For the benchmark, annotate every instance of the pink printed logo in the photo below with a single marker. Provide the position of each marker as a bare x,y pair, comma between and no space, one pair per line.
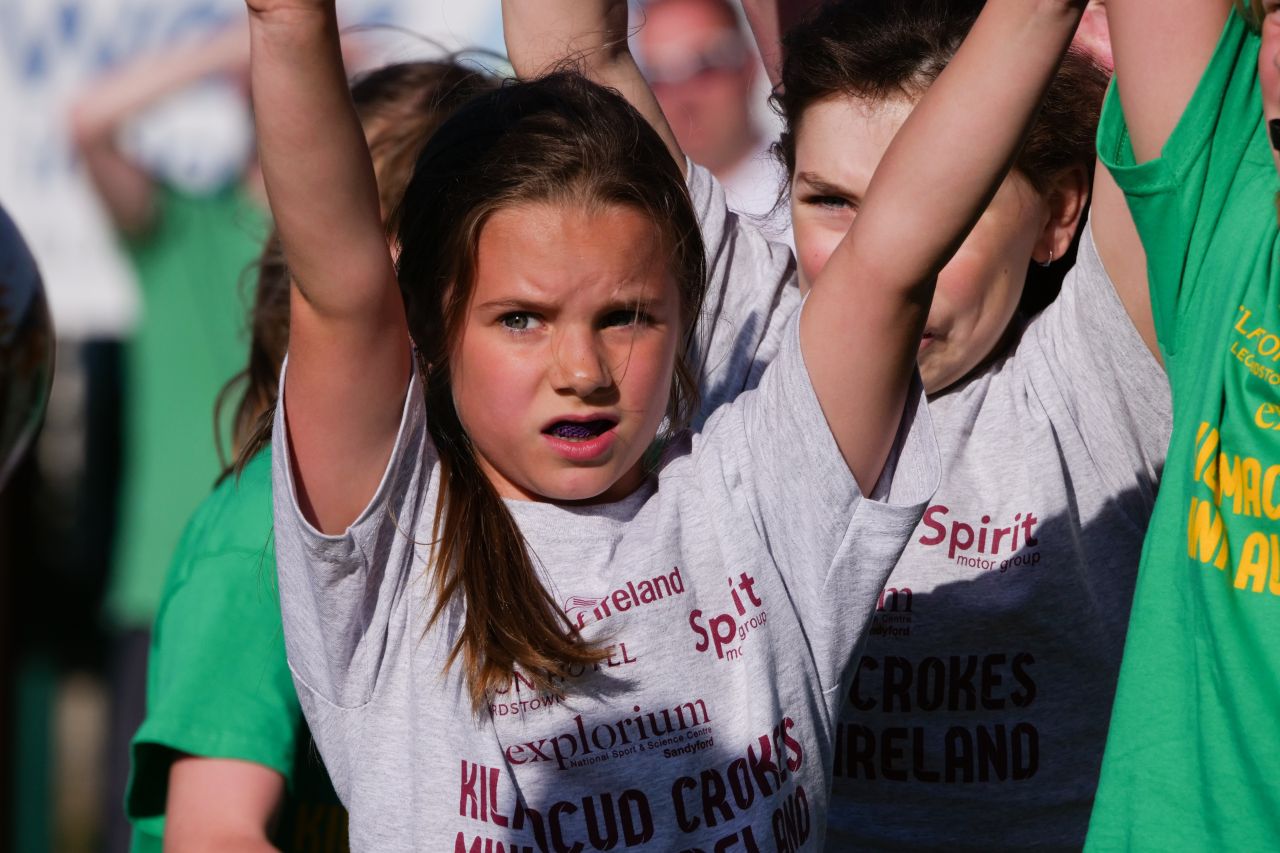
588,742
893,614
582,610
727,631
579,608
985,544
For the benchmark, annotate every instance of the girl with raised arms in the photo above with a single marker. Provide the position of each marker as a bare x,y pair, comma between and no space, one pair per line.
437,508
994,650
1191,133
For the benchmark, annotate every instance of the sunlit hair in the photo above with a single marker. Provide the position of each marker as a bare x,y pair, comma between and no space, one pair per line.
1252,12
558,140
885,50
399,106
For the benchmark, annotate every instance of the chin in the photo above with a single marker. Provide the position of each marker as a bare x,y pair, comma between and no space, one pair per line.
574,488
937,379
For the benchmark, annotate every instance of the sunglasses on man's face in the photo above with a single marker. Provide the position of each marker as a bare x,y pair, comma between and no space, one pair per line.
726,54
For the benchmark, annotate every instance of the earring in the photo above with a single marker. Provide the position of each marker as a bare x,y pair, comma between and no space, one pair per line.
1048,262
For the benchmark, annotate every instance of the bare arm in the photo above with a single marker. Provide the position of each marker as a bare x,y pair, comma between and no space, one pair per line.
542,34
1114,234
860,328
770,20
220,804
99,112
1161,49
348,341
1122,254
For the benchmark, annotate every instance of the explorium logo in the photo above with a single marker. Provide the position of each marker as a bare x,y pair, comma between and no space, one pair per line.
582,745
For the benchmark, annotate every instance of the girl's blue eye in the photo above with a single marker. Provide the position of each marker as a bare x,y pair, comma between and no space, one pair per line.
830,202
625,318
518,321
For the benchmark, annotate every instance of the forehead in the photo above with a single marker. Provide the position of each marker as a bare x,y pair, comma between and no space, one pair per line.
560,253
675,25
843,138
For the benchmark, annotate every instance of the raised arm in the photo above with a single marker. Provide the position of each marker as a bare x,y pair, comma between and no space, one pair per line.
99,112
770,20
860,328
1161,49
1122,254
1114,234
348,342
542,34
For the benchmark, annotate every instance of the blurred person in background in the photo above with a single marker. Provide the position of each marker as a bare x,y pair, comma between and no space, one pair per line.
697,57
190,253
224,757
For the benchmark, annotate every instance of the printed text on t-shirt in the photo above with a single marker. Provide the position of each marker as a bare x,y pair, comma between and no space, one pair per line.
724,633
723,796
584,610
886,688
984,544
1248,488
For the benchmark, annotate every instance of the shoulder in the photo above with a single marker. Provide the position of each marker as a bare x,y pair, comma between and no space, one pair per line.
236,515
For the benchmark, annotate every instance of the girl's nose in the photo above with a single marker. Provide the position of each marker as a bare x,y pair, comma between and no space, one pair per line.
579,365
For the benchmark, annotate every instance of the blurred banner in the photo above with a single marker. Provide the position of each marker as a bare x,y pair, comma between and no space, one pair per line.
50,48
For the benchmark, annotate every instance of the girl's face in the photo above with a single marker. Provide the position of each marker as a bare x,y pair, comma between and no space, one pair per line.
839,143
563,369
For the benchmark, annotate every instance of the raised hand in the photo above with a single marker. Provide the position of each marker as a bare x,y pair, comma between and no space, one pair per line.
348,342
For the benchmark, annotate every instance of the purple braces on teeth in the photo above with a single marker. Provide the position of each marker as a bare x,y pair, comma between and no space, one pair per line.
568,430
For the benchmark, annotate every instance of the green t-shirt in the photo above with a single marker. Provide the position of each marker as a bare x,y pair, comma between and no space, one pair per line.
217,681
195,270
1193,754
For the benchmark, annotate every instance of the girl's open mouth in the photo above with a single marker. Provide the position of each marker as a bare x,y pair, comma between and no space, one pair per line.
579,430
581,440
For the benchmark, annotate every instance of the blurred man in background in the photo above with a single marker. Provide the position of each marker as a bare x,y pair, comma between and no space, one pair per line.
696,55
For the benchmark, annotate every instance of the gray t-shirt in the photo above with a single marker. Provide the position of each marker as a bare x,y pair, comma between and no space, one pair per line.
751,296
981,701
734,586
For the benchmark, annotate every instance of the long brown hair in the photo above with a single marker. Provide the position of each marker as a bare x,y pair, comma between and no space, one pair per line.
881,50
562,140
399,106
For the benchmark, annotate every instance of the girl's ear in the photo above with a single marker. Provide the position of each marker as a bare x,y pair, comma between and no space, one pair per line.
1068,196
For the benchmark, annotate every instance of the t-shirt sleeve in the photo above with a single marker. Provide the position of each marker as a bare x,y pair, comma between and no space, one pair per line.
751,295
833,546
1087,357
218,685
340,594
1177,198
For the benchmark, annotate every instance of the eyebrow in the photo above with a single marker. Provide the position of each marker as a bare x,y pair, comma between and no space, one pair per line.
512,303
643,303
822,186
